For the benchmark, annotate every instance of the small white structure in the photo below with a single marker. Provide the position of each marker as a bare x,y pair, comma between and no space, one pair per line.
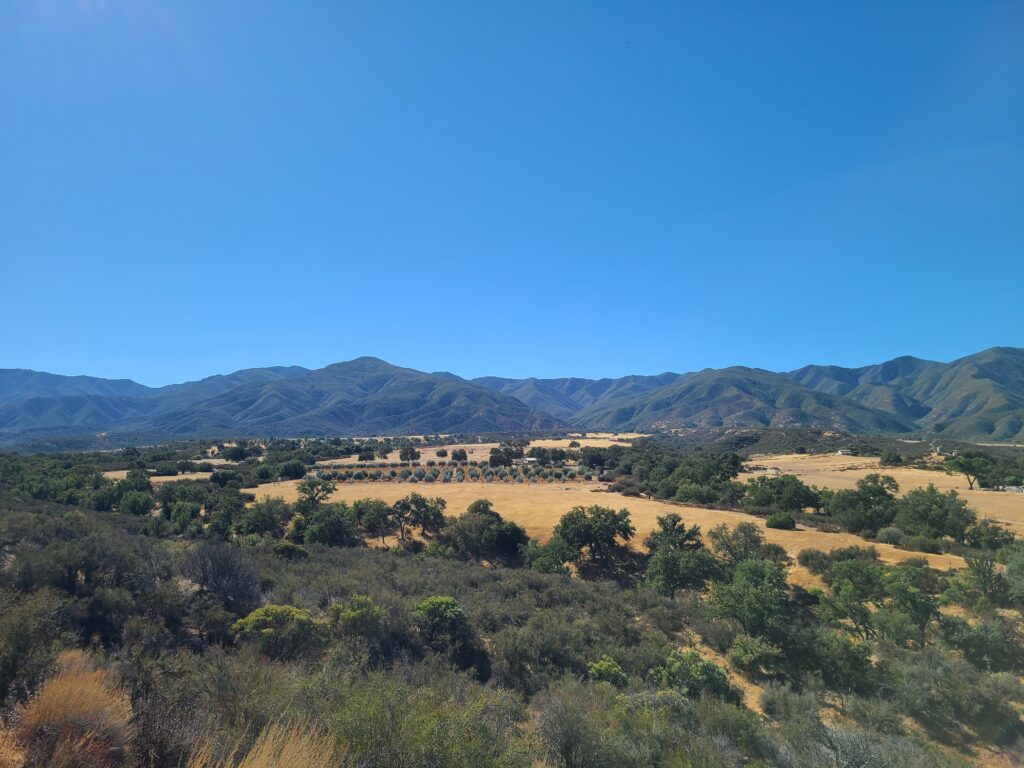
844,452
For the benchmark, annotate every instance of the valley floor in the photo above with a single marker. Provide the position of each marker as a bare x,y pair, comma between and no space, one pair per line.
539,506
837,472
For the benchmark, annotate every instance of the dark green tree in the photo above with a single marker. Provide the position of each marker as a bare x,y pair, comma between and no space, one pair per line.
594,532
973,465
786,493
929,512
755,598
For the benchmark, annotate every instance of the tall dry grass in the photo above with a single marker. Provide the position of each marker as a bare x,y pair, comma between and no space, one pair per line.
11,753
277,746
79,719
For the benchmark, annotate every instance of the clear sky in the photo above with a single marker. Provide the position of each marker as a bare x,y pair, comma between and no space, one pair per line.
519,188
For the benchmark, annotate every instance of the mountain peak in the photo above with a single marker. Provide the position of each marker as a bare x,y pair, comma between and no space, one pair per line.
980,396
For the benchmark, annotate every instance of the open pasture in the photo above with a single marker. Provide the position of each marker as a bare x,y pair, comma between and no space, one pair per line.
837,472
474,452
538,506
121,474
481,451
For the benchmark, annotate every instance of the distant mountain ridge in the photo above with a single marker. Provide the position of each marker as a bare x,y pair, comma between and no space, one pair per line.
571,399
978,397
360,397
738,397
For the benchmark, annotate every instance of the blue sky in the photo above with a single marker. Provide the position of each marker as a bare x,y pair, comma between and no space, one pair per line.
521,188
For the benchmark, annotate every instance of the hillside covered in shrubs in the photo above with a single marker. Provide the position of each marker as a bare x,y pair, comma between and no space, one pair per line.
186,624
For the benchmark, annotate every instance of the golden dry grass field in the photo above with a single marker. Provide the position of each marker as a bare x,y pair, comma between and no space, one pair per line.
481,451
831,471
121,474
538,507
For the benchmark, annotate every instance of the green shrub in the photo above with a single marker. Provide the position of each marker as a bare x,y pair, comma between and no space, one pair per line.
290,551
814,560
283,631
753,655
607,670
136,503
780,520
441,618
692,675
891,535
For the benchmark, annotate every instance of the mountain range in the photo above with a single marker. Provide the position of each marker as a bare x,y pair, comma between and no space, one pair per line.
979,397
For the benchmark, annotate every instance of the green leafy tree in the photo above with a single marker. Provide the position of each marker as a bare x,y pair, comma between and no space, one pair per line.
983,577
551,556
786,493
972,465
594,532
136,503
313,491
265,516
333,525
292,470
184,513
734,545
236,452
755,598
481,533
990,535
781,521
868,508
906,588
408,453
671,569
417,510
374,516
136,480
672,532
854,584
929,512
1015,574
403,513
